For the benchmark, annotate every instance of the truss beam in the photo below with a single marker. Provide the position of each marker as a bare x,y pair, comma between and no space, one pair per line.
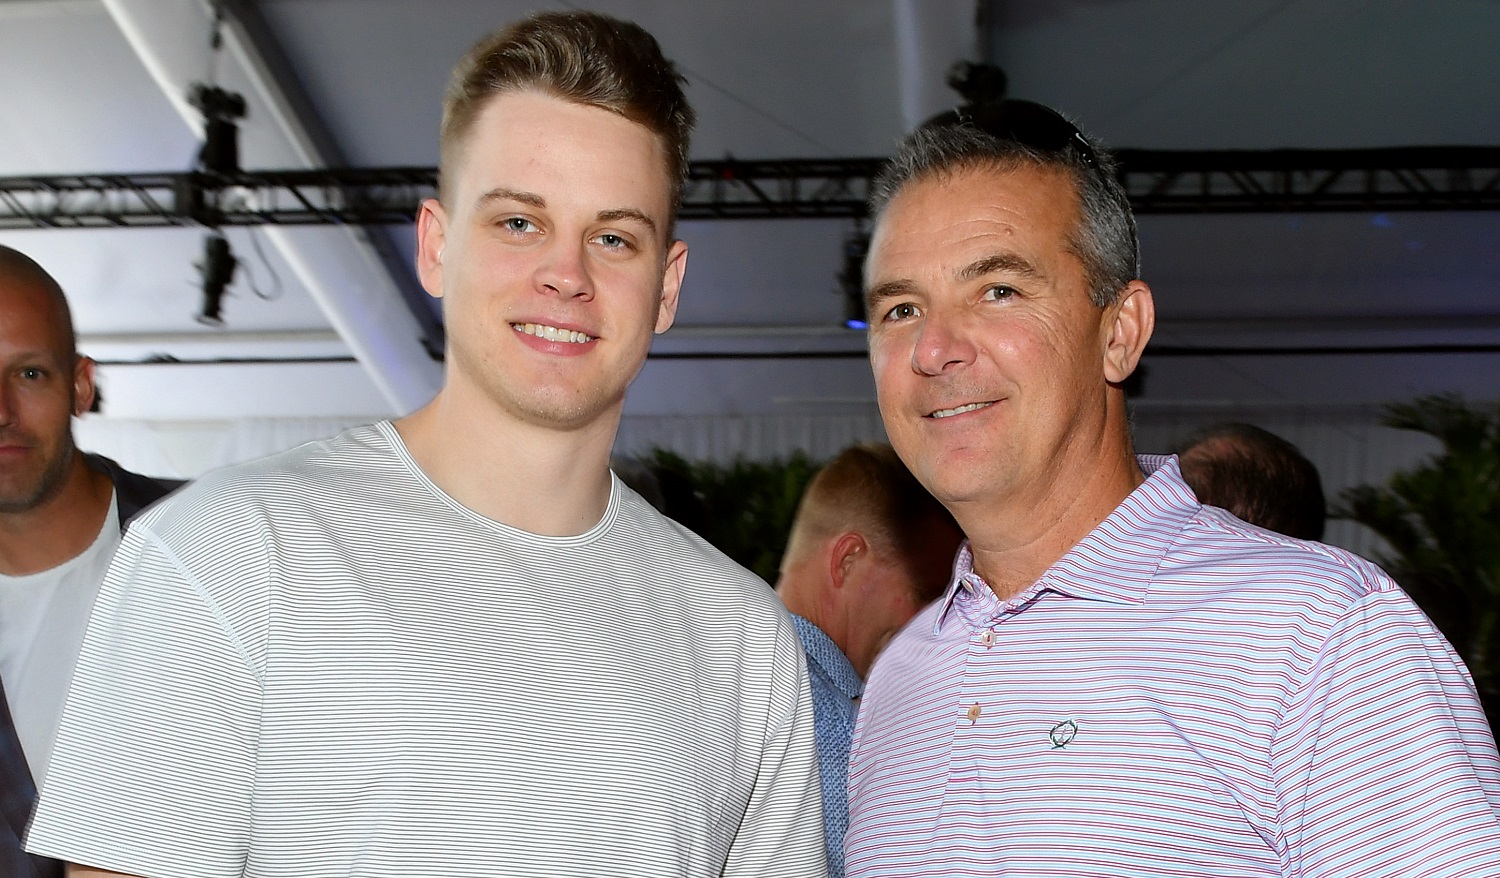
1279,181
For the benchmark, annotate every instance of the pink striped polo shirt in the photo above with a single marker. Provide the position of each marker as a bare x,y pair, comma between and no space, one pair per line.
1181,694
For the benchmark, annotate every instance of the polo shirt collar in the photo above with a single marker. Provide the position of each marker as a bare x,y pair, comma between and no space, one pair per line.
1114,563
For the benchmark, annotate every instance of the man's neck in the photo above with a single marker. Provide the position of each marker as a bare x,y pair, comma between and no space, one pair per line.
797,595
61,527
1015,540
804,592
537,479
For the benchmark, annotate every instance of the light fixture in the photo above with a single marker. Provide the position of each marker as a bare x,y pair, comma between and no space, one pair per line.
221,145
852,277
217,273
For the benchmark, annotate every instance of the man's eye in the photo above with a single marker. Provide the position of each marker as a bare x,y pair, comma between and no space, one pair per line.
33,374
519,224
613,241
901,311
998,292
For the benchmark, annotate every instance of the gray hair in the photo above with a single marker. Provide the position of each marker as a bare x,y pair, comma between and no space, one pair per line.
1105,239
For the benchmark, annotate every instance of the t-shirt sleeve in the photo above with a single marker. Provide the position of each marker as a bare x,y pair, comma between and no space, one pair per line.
1385,765
154,766
782,830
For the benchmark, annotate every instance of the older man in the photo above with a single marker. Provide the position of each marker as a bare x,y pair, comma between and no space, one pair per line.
868,548
454,644
1119,681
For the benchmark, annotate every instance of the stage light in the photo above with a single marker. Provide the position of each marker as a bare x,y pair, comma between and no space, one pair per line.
221,145
217,273
852,277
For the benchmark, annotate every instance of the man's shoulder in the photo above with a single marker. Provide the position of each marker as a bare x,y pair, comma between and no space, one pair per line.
658,537
326,472
1217,549
133,491
695,571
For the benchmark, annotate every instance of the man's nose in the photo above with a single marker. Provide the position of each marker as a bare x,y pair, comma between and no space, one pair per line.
564,270
943,343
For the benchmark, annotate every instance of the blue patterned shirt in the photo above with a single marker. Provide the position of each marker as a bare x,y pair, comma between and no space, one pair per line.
835,692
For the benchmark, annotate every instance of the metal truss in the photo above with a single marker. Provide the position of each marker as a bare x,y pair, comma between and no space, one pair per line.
249,198
733,189
1312,181
1157,181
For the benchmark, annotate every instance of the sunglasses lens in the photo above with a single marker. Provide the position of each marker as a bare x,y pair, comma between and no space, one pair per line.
1029,124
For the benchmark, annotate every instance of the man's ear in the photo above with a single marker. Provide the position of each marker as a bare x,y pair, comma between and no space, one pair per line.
847,549
1131,320
83,385
671,285
432,232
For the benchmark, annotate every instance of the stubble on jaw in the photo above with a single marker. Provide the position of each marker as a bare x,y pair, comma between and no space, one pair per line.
45,486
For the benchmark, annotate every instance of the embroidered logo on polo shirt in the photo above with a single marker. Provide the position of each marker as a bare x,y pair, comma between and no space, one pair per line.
1063,733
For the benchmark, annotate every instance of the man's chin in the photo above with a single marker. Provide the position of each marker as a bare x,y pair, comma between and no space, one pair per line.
15,502
20,495
568,413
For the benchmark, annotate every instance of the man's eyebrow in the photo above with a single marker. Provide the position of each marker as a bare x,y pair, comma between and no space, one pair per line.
503,194
888,290
604,216
626,213
998,262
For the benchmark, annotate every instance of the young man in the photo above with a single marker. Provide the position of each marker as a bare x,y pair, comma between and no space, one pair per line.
61,512
1119,680
455,645
868,548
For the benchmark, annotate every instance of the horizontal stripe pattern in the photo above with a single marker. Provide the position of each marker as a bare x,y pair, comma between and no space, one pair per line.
1181,694
322,665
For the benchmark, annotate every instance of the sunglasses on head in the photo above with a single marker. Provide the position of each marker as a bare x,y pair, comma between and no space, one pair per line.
1029,124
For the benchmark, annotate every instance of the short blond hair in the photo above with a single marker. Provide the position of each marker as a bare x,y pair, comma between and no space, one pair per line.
867,489
583,57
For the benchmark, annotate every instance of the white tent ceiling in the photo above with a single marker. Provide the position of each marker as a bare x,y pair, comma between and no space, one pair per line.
95,86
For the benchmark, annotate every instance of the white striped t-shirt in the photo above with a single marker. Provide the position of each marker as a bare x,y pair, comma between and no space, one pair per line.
1181,695
322,665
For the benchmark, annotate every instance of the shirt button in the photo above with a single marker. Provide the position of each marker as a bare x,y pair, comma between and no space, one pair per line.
987,638
974,711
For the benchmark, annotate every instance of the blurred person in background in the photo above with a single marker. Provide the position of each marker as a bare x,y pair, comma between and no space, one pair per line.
869,547
1257,475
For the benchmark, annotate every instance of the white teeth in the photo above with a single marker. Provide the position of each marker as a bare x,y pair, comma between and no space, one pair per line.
948,413
552,333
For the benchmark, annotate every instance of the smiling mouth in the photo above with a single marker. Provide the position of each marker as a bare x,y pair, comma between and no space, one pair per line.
552,333
948,413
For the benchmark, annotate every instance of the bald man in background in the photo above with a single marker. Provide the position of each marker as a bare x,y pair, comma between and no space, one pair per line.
1256,475
61,514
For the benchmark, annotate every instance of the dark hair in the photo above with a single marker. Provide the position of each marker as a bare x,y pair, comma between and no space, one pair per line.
867,488
1105,238
1258,476
584,57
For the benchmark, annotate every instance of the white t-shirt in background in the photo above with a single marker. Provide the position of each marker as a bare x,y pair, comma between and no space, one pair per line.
42,620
